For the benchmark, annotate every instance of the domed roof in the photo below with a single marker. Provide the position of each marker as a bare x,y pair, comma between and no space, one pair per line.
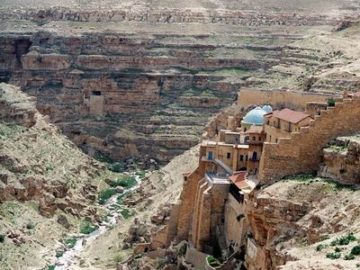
267,108
254,117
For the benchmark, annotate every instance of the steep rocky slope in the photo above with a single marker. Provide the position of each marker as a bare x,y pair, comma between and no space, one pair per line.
47,186
296,221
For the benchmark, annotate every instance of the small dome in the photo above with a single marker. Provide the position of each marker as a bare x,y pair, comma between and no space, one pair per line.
267,108
254,117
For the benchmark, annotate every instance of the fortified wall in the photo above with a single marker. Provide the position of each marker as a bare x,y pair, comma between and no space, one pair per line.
303,151
296,100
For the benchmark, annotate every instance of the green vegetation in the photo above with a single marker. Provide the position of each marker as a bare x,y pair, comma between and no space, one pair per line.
118,258
116,167
51,267
349,257
127,213
309,178
344,240
355,250
105,194
2,238
331,102
320,247
30,225
87,227
70,242
213,262
333,255
120,198
59,253
124,181
141,173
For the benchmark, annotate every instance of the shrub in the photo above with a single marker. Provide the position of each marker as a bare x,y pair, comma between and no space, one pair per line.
70,242
116,167
355,250
331,102
59,253
212,261
344,240
87,227
320,247
118,258
126,213
333,255
30,225
51,267
2,238
337,249
125,181
349,257
105,194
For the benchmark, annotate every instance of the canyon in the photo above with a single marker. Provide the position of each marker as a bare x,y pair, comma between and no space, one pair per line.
138,84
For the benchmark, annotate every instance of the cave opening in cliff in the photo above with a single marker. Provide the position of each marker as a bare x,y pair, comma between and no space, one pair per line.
22,46
96,93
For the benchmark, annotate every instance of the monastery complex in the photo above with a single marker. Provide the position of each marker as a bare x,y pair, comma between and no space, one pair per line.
268,142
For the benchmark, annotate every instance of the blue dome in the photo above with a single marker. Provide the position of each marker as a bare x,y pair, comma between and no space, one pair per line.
267,108
254,117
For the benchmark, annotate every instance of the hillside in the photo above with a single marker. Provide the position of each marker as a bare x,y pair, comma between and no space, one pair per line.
47,188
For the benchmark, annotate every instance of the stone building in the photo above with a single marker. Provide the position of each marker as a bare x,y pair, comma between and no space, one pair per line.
280,124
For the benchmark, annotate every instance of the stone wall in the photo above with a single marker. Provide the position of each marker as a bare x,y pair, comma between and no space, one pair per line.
235,223
187,203
303,151
296,100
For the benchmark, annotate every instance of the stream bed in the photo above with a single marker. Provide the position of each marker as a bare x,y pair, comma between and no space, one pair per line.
71,255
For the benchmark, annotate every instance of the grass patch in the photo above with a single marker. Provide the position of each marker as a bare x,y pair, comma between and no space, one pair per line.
105,194
320,247
127,213
349,257
87,227
333,255
213,262
125,181
51,267
120,198
140,173
116,167
59,254
309,179
118,258
344,240
103,158
70,242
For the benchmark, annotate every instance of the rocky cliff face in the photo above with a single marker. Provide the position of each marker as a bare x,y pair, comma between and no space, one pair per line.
290,219
46,184
342,160
143,82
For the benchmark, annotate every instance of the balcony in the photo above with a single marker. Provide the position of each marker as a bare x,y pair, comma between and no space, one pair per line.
217,178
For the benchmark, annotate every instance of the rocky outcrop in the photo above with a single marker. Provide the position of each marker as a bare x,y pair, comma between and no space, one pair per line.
295,215
342,161
32,156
